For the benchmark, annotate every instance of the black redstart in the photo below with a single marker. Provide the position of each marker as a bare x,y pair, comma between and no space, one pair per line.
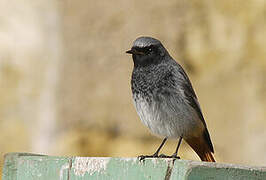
165,100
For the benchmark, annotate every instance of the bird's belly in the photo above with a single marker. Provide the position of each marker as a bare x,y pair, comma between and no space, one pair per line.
162,121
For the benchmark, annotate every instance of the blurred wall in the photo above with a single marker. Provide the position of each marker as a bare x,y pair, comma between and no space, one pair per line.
65,77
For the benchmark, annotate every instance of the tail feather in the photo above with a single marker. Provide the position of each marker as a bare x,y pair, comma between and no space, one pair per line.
208,157
202,148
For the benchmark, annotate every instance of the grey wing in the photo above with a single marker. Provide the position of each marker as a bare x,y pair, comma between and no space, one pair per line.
184,85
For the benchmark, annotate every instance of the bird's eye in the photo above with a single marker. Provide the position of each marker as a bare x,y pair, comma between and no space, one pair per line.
149,50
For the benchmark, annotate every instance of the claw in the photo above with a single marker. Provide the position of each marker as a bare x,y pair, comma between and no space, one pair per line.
143,157
155,155
163,156
175,156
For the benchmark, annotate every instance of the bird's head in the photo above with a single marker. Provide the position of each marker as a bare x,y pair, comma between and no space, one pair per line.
146,51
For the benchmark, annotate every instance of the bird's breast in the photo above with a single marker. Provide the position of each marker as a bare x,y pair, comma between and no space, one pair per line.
164,119
161,106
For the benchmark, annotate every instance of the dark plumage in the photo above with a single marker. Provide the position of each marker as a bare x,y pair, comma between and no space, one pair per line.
165,100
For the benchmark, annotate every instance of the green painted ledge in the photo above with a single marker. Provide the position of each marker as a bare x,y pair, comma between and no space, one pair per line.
23,166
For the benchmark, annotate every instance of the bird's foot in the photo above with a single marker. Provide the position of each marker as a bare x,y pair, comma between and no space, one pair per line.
174,156
142,157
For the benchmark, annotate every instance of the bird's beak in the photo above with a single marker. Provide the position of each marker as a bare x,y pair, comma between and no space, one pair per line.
134,51
130,51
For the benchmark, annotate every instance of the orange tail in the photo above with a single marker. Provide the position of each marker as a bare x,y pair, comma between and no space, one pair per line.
202,148
208,157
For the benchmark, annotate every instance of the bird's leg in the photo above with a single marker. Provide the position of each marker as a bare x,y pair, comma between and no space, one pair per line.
178,145
175,154
155,155
160,147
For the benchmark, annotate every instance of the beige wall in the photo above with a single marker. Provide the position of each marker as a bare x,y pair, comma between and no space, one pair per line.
65,77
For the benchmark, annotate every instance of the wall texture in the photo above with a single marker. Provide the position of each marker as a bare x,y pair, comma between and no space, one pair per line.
65,77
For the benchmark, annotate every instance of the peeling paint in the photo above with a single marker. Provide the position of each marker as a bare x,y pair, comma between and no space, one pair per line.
154,160
169,160
64,167
89,165
134,160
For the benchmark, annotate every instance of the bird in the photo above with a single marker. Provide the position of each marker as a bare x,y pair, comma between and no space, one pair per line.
165,100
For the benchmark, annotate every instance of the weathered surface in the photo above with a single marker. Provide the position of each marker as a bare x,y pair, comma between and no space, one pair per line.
65,77
21,166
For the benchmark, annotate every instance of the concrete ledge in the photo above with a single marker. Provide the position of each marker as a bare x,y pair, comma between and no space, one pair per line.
23,166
